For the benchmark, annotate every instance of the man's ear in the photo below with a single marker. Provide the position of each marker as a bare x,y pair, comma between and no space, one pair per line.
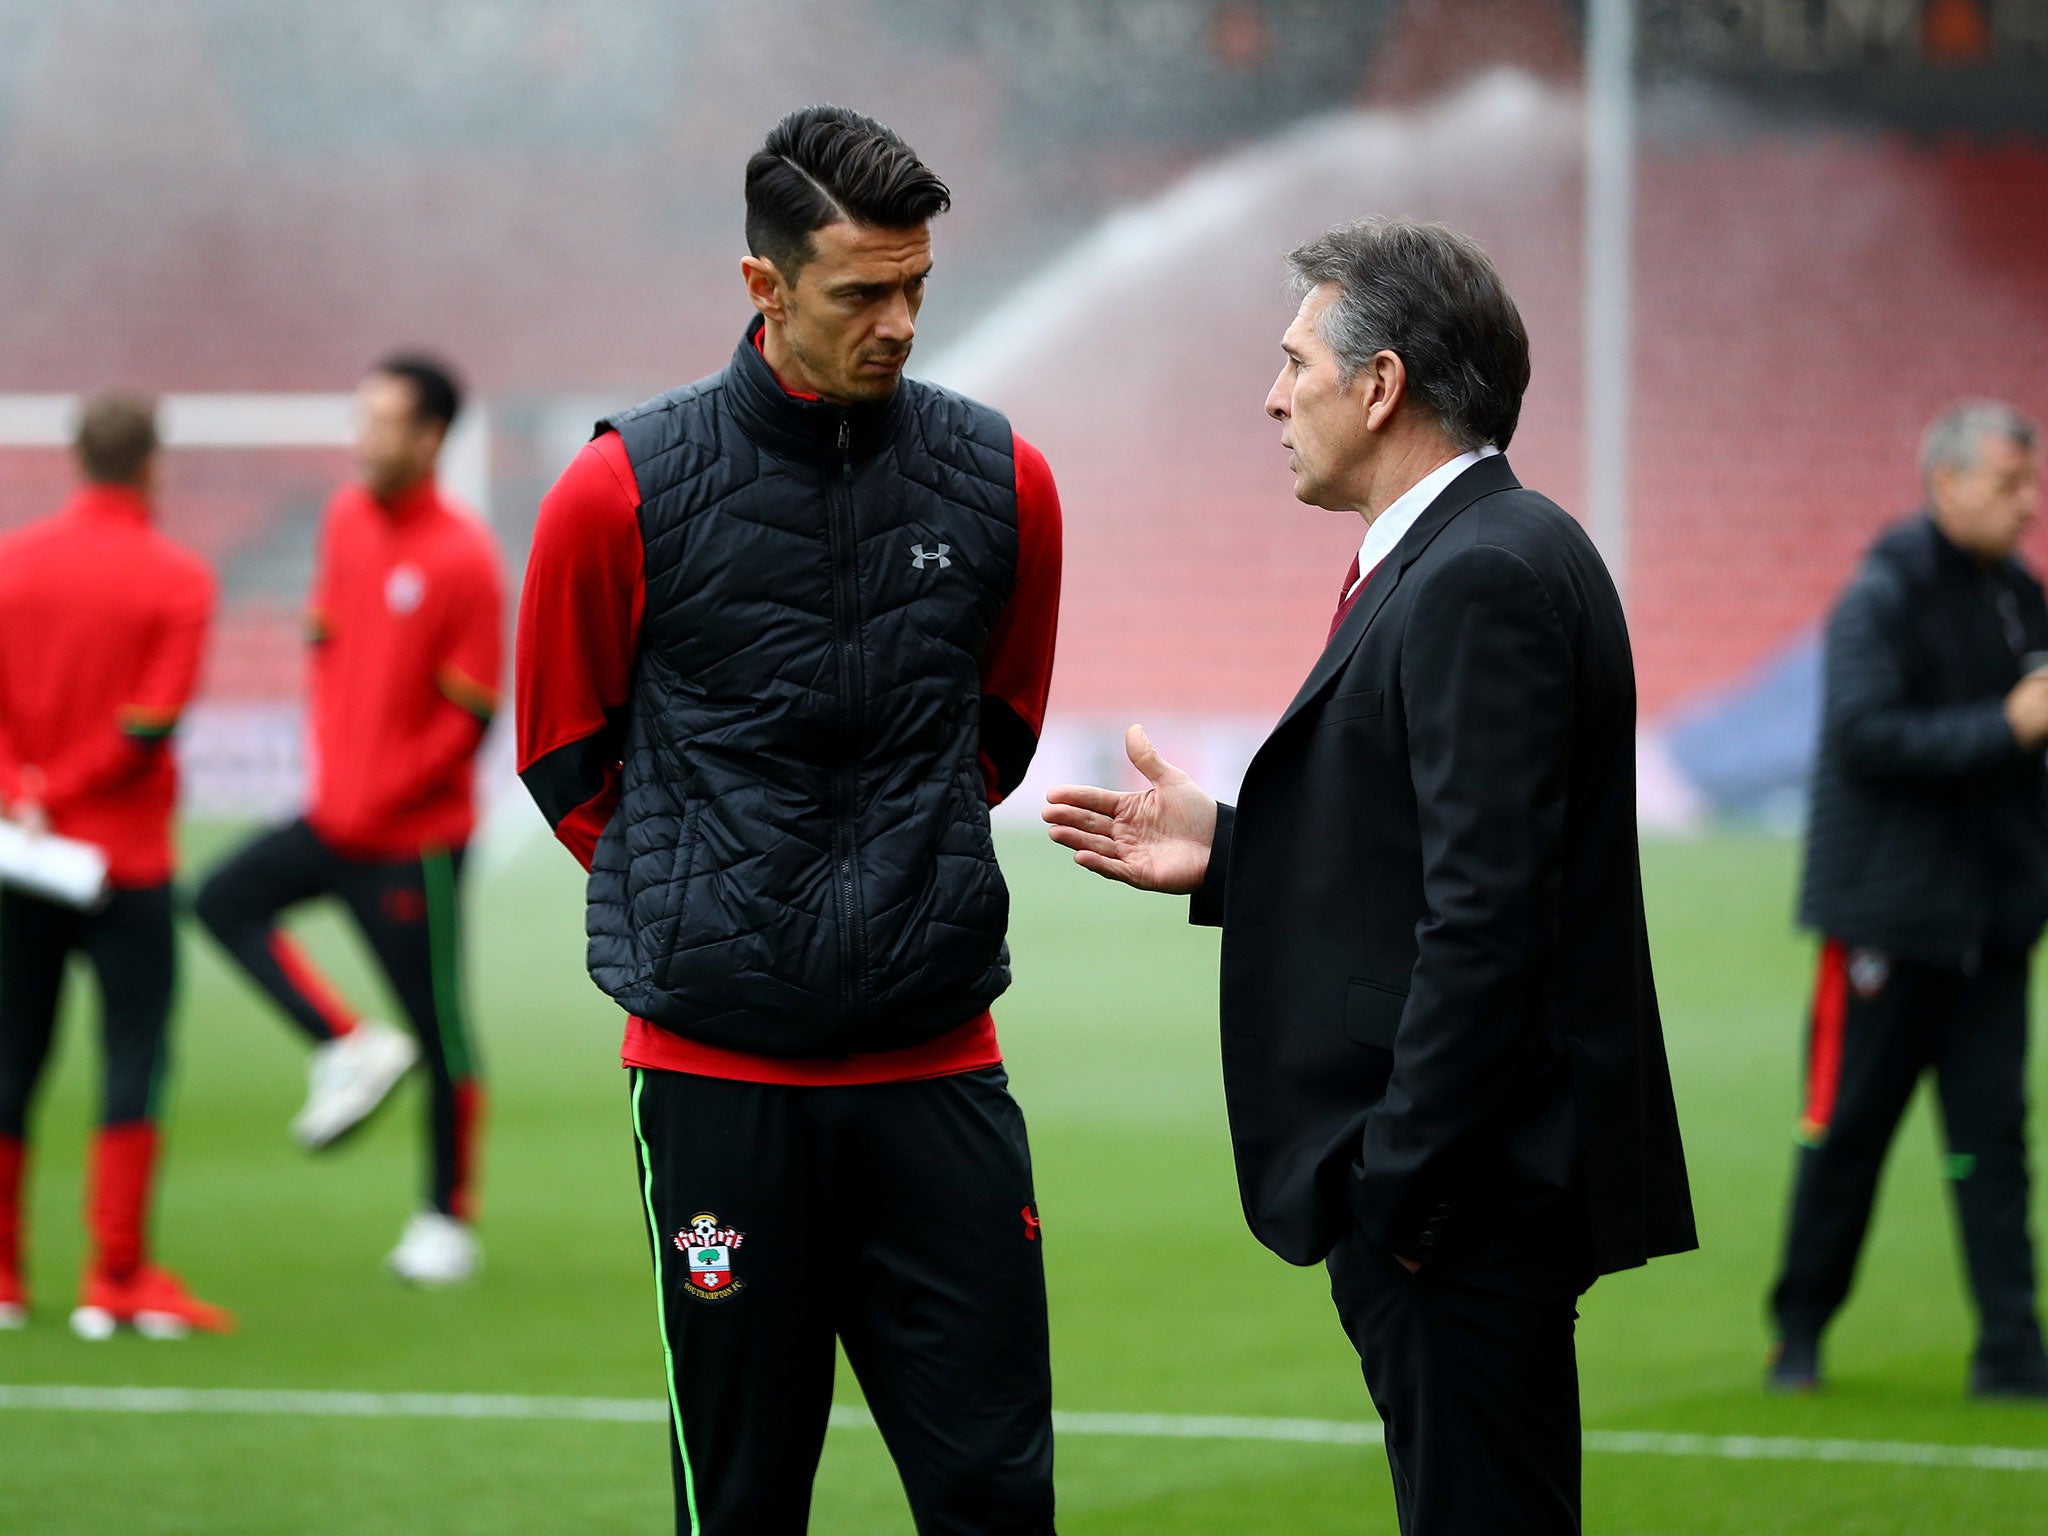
765,285
1383,383
1941,484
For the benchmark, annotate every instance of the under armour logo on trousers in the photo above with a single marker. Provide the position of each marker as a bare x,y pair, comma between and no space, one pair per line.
919,555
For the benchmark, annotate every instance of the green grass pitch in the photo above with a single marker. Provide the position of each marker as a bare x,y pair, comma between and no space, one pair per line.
1161,1302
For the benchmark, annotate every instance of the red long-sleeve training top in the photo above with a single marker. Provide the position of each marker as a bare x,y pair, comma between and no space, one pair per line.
406,620
579,635
102,624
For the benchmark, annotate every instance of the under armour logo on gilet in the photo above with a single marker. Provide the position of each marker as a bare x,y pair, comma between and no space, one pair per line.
919,555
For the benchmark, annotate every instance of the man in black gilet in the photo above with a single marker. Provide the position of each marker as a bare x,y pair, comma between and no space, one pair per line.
786,636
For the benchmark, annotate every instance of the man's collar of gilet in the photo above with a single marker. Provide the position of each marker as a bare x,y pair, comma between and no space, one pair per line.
1920,543
820,432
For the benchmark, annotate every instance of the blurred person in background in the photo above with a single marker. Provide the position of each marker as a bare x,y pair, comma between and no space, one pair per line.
1927,879
787,634
405,628
102,624
1441,1044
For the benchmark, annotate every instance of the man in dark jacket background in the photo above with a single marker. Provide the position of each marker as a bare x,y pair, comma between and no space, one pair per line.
787,634
1927,879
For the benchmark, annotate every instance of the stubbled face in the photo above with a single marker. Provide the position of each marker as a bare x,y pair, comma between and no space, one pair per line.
1322,418
847,322
1987,507
395,450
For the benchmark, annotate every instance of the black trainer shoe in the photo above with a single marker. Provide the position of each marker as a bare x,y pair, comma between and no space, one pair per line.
1795,1367
2026,1377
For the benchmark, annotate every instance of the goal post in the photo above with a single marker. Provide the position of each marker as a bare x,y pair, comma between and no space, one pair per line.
254,421
242,748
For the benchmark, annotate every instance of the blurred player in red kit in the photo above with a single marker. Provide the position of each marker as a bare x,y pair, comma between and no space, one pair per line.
102,622
406,650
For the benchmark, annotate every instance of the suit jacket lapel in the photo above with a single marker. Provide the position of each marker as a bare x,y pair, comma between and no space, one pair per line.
1490,474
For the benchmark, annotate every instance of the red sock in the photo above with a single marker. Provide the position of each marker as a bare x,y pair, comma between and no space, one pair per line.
123,1165
469,1124
13,1173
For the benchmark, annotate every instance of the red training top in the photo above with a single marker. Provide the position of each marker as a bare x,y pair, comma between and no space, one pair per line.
102,623
579,633
405,620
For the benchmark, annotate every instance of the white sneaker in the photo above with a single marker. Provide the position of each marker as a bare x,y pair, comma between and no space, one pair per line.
436,1250
13,1315
93,1324
349,1077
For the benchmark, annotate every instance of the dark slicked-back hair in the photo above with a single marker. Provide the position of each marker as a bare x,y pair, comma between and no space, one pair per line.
434,389
116,437
824,164
1430,296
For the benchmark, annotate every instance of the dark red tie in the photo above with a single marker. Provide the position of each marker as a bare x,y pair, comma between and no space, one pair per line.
1346,598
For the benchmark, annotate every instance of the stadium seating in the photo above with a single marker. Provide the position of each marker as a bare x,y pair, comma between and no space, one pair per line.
1805,305
1806,301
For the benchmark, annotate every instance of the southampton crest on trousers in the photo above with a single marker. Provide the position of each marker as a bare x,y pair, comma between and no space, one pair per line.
709,1248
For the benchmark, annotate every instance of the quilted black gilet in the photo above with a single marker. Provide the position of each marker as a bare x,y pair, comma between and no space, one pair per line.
801,864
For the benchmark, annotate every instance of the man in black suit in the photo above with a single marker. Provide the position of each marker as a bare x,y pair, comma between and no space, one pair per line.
1441,1048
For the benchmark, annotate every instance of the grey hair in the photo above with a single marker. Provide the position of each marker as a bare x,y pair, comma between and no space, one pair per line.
1955,437
1431,297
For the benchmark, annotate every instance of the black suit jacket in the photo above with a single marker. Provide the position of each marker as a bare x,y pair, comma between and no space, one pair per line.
1438,1016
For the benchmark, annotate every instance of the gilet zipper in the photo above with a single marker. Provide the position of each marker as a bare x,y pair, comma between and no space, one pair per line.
843,544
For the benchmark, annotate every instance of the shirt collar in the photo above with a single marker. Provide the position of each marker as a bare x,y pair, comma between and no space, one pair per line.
1386,530
410,504
115,501
761,346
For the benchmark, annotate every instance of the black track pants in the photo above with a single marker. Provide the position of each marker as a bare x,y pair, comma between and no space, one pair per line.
1878,1026
897,1217
409,914
131,947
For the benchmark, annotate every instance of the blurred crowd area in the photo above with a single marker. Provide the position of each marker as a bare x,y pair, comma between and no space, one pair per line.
1840,210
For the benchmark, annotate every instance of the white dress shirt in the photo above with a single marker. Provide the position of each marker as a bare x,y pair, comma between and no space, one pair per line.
1386,529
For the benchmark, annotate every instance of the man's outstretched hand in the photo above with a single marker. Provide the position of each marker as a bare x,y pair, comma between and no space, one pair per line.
1157,839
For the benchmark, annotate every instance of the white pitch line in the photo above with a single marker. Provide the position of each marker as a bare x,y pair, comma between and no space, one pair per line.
345,1405
1889,1453
1170,1426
